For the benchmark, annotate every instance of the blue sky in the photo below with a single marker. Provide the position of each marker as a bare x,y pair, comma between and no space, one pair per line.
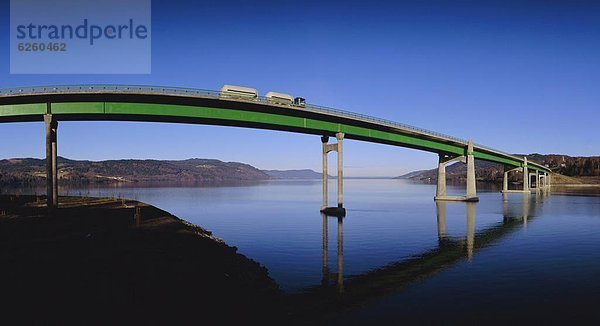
521,76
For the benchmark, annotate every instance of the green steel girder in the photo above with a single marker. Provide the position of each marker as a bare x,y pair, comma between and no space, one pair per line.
223,116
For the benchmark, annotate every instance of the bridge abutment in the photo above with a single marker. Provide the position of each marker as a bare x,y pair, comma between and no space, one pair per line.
51,162
337,147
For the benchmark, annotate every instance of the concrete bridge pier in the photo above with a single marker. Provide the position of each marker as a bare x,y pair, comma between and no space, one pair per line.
532,185
546,182
525,176
505,180
526,188
337,147
537,178
51,162
444,160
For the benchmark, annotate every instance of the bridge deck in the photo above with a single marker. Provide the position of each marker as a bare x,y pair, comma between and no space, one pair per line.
181,105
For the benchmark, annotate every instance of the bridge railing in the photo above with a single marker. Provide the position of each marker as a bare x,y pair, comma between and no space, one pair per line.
202,93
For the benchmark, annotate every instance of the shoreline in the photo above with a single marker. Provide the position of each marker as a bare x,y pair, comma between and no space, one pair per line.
107,258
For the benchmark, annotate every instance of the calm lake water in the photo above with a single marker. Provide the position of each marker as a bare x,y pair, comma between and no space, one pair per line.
406,258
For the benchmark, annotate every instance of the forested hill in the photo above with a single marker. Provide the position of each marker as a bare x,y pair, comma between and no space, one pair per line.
32,171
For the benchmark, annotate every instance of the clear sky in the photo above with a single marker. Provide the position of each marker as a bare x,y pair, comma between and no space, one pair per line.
519,76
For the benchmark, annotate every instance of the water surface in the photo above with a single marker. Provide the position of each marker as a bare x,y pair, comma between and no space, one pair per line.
401,256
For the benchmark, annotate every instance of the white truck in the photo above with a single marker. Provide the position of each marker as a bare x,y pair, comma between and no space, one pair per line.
239,92
279,98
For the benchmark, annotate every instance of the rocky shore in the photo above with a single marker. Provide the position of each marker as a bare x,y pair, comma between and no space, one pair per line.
107,261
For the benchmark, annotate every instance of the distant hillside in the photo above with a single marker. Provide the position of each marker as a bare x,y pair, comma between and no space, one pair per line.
579,169
570,166
32,171
293,174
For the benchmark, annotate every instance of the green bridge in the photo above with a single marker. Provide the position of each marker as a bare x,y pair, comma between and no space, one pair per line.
179,105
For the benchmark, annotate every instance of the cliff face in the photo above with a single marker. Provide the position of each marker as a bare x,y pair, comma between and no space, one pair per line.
32,171
587,168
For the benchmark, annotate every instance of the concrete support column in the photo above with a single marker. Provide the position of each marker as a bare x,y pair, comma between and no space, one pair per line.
340,163
505,189
337,147
440,193
549,181
525,176
324,141
471,188
543,181
441,180
537,179
51,162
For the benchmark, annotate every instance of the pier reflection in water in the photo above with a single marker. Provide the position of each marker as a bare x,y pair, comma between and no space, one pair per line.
450,250
441,224
340,254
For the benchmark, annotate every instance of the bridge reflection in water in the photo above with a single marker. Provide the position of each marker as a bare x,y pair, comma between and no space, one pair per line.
441,225
335,291
339,276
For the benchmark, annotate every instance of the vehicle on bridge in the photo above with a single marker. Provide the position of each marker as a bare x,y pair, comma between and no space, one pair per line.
239,92
300,101
279,98
247,93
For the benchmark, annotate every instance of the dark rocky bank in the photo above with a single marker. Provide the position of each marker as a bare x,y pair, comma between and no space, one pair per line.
97,261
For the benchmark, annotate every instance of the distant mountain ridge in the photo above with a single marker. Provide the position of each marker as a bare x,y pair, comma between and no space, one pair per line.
294,174
32,171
